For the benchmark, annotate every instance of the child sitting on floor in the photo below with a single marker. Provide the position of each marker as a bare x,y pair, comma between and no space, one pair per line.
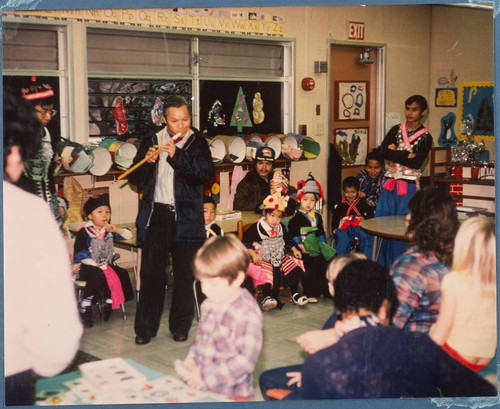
106,284
307,232
266,242
229,338
346,219
371,178
466,326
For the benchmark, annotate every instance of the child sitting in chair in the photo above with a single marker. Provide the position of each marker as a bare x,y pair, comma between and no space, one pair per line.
229,338
209,207
212,230
266,242
371,178
346,219
106,284
307,231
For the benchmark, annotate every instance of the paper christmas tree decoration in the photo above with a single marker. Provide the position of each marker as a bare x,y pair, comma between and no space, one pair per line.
241,117
484,121
216,115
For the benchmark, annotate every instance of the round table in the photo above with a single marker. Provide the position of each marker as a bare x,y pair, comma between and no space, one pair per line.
388,227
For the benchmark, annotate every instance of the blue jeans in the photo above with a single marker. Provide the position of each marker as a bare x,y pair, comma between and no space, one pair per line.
345,237
276,378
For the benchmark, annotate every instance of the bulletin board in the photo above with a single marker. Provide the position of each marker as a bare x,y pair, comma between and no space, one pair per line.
476,99
261,113
138,98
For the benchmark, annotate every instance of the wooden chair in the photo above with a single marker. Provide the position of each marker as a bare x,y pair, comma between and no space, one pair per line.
240,228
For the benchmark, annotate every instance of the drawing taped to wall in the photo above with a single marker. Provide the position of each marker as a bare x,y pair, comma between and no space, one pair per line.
352,145
352,101
262,101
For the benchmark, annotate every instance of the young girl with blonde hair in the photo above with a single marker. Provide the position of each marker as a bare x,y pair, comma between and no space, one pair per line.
466,326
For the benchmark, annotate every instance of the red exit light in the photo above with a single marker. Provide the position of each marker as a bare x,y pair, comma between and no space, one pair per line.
356,30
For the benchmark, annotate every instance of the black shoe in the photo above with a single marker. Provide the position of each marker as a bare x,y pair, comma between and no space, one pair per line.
86,318
142,340
179,337
106,312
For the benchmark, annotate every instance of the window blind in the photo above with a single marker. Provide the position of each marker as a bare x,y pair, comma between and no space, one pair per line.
235,58
137,53
30,49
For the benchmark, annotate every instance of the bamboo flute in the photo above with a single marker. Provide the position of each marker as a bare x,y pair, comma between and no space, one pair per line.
138,164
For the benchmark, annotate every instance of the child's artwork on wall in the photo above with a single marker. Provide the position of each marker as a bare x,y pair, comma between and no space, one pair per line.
240,107
258,109
446,97
352,101
476,99
352,145
216,116
124,109
241,117
447,137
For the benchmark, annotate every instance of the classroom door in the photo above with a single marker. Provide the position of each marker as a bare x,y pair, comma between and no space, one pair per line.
353,111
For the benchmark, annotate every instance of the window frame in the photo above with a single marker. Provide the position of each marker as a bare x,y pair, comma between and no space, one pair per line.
64,62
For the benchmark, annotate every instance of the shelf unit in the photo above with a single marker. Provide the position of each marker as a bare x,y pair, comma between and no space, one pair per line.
221,167
440,177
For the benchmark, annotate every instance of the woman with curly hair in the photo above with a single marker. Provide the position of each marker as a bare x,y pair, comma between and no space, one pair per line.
431,225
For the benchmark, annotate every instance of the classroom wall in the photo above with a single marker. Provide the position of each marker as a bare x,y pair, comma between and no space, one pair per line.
420,40
408,60
462,40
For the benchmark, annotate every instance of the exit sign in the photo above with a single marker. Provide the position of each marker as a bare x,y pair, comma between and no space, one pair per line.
356,30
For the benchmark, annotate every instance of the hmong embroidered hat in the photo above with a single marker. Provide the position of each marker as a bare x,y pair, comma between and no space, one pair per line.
265,153
37,90
95,202
310,185
280,180
276,202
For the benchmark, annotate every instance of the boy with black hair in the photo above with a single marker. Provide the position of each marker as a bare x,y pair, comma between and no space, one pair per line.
107,284
406,147
347,216
212,230
371,177
307,231
209,208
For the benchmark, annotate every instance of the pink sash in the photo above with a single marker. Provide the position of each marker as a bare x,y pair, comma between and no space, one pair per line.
402,186
117,297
